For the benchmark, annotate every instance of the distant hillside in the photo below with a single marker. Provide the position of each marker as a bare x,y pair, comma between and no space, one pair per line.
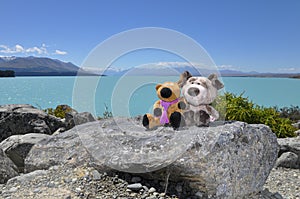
37,66
7,73
158,71
154,70
296,76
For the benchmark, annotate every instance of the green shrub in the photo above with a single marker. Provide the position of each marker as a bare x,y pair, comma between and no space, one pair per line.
60,111
233,107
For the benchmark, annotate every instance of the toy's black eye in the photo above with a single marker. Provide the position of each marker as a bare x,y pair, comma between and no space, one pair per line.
198,83
192,82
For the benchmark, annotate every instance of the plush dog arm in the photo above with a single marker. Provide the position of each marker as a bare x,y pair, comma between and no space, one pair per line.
157,109
212,112
182,104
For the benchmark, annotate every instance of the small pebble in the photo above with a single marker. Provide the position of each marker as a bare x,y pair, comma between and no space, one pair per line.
96,175
133,194
74,180
199,194
37,190
156,194
277,196
51,184
67,180
144,196
135,186
78,189
146,188
152,190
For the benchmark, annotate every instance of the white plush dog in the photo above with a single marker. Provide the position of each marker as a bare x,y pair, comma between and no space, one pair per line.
199,93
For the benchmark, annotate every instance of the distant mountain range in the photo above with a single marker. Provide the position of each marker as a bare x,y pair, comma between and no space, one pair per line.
160,71
38,66
43,66
175,70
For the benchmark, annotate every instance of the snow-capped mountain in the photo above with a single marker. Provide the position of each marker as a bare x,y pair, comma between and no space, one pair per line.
161,70
7,58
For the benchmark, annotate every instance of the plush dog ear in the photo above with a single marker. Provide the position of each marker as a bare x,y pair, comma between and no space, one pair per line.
216,83
183,78
158,86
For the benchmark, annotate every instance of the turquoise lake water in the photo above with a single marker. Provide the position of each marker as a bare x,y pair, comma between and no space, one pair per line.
131,95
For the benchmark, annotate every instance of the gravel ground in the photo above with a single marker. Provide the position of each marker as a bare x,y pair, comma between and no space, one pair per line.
61,182
285,181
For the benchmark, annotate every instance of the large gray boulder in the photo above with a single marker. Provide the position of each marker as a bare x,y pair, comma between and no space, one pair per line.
222,161
74,118
7,168
17,147
288,160
64,148
289,153
19,119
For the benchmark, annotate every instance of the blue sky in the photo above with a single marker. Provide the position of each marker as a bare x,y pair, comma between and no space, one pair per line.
244,35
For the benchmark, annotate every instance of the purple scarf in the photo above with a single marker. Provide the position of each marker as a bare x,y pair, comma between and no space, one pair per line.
164,117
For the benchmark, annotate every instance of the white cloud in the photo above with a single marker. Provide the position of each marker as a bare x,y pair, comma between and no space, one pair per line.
37,50
173,64
228,67
289,69
6,49
19,49
59,52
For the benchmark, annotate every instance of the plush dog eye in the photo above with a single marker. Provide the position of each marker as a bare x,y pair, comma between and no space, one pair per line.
198,83
192,82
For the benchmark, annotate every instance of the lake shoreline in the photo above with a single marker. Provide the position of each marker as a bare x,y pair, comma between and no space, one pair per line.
260,75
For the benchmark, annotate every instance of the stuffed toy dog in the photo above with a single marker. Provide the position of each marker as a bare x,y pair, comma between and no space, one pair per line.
199,93
168,109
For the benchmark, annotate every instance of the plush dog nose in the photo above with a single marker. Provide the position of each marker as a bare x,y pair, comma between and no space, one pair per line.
193,92
165,92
